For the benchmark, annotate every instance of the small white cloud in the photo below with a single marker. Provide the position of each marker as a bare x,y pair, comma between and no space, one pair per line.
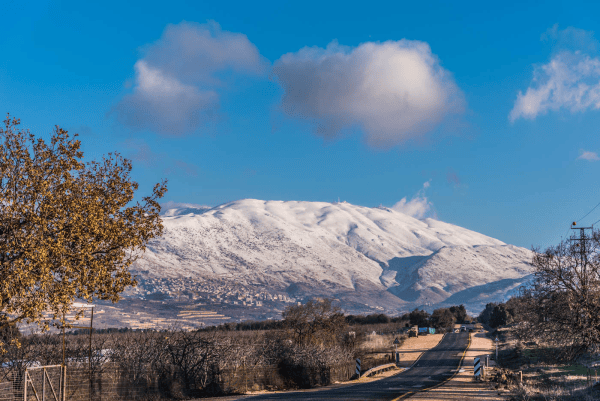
570,38
418,207
394,91
570,80
170,208
173,205
590,156
178,81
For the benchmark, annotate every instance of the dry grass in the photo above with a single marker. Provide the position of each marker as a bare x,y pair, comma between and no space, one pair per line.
567,389
378,343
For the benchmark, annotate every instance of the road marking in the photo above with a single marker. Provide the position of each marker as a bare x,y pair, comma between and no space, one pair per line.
404,396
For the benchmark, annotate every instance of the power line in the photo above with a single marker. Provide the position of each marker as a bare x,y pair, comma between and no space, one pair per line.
587,214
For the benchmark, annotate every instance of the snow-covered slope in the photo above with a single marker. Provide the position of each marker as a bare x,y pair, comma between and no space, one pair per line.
325,248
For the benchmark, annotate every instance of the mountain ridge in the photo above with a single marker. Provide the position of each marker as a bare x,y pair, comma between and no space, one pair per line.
332,249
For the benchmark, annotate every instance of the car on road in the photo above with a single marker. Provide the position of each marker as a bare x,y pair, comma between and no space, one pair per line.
463,328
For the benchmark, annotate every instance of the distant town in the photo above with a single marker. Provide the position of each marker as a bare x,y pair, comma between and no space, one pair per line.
184,303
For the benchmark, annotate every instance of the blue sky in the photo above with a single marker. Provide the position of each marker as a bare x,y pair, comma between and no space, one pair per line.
485,115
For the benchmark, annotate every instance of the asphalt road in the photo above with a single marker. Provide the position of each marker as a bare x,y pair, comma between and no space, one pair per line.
435,366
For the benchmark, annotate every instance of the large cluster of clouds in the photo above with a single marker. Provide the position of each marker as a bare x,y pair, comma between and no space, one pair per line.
177,82
392,91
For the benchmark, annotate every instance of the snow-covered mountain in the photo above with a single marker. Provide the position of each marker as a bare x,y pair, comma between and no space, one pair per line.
363,256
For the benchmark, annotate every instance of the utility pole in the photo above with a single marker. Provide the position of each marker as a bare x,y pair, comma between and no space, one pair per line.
583,240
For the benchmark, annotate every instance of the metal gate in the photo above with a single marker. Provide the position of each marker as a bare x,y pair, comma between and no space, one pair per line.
45,383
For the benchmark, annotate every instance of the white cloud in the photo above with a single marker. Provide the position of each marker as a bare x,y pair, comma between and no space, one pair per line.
170,208
569,81
570,38
590,156
163,104
177,82
418,207
173,205
394,91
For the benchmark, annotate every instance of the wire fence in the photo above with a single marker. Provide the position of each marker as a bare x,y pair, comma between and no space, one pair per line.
107,384
11,387
112,383
47,384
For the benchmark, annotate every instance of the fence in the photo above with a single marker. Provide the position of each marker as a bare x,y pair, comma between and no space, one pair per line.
47,383
111,383
44,383
11,384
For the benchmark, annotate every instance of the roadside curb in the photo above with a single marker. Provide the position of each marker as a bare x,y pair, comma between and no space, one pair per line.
411,393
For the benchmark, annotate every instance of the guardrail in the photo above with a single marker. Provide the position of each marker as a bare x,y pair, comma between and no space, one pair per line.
380,368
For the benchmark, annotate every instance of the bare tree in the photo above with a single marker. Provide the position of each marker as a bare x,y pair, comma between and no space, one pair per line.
565,297
316,322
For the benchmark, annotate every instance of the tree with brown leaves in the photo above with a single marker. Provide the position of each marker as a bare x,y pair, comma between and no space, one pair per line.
68,229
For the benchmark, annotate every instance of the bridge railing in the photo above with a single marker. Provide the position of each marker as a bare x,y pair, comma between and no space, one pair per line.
379,369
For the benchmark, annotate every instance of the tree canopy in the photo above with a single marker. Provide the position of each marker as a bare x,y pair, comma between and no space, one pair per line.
442,318
419,317
315,322
68,229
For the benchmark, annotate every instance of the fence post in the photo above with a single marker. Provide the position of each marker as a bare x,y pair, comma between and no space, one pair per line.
25,384
43,385
64,393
